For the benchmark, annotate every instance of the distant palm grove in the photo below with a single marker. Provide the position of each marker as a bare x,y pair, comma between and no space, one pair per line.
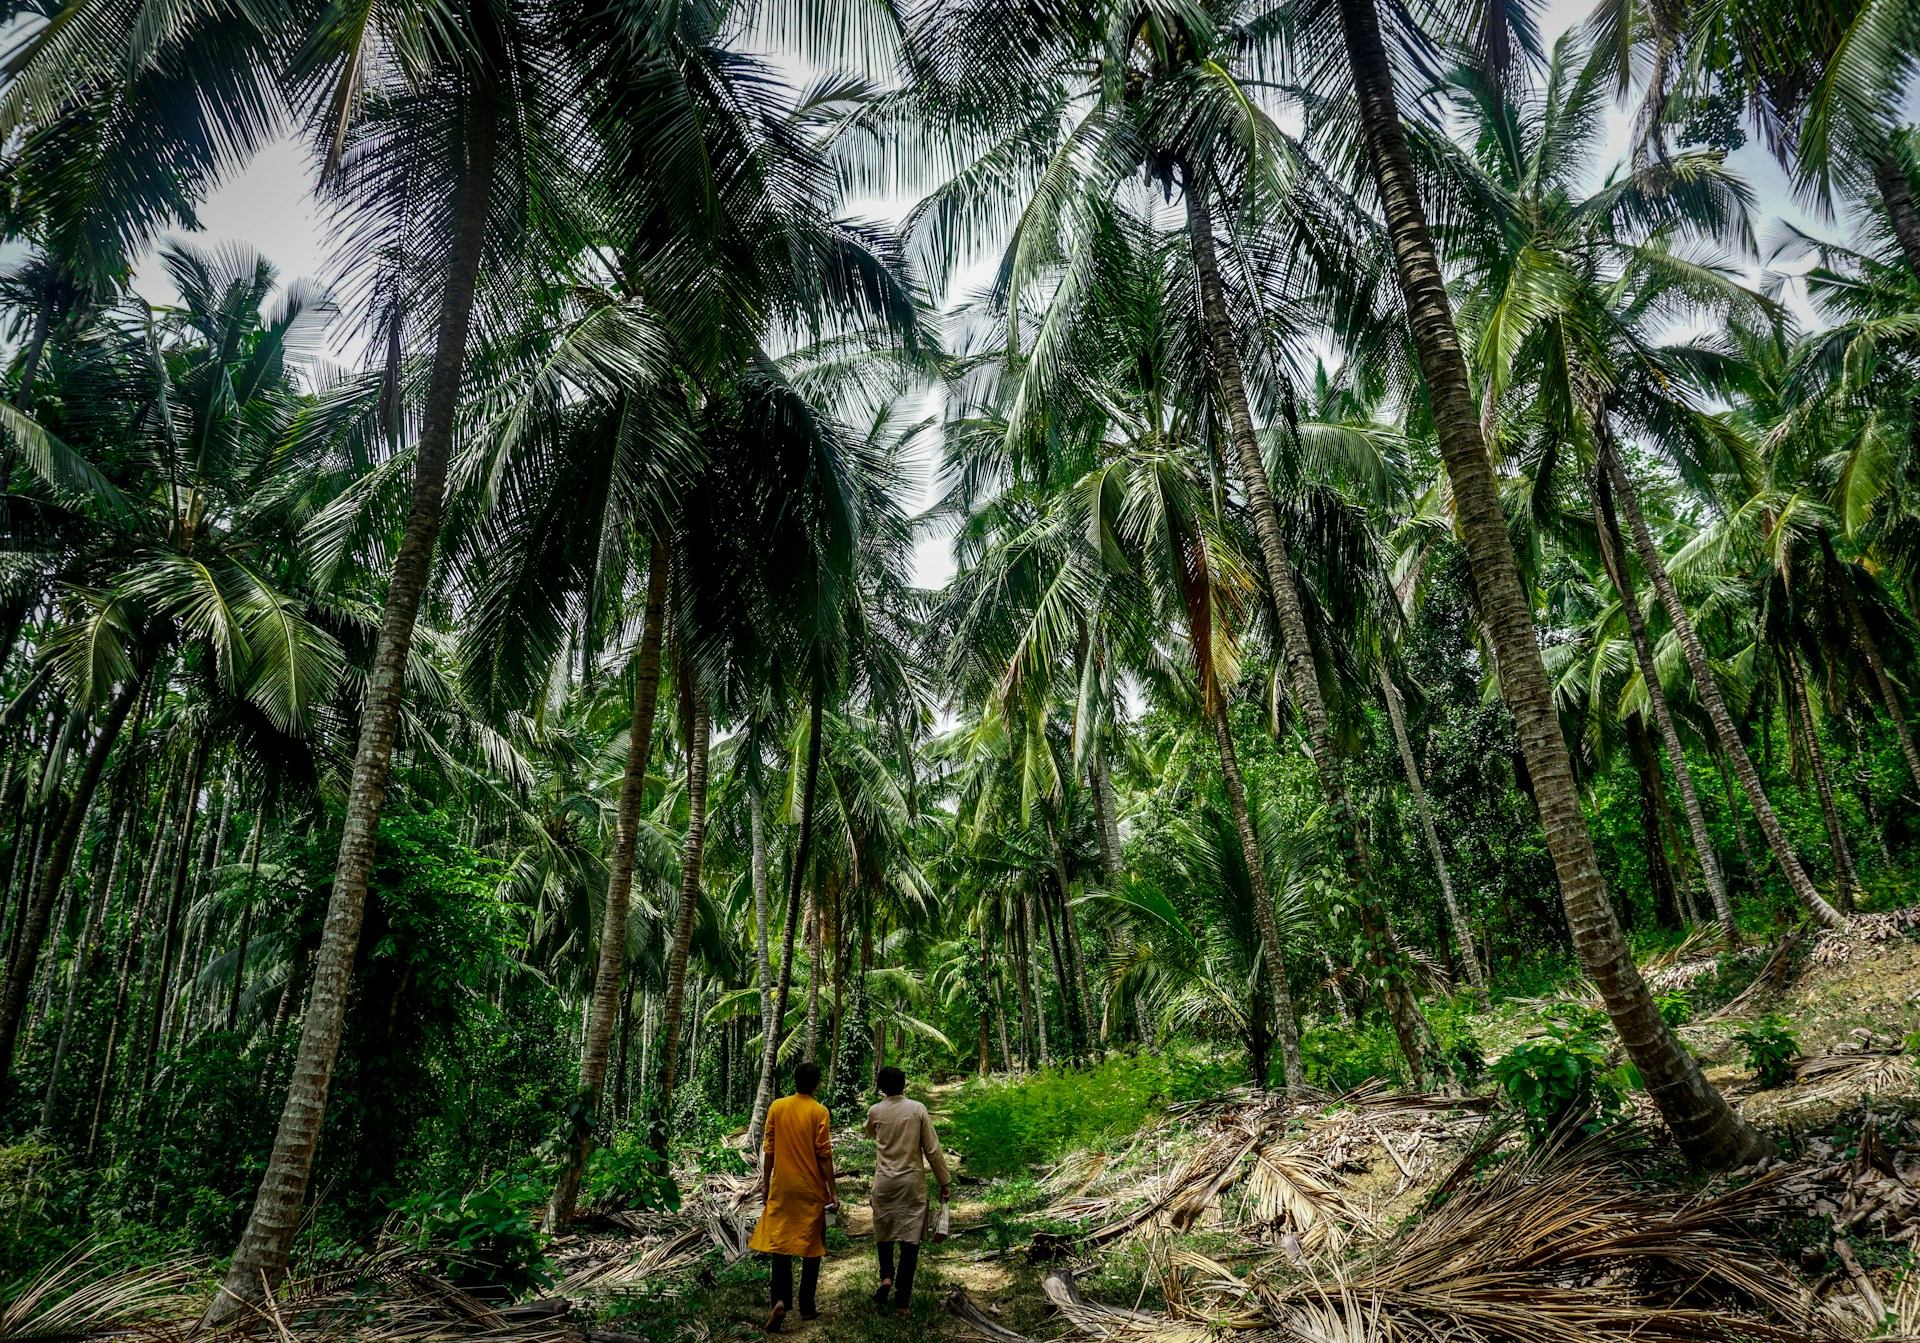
1424,507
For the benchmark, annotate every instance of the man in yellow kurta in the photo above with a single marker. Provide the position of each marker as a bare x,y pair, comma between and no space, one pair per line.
797,1187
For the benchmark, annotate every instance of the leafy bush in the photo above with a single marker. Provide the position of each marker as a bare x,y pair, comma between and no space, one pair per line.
1676,1007
1005,1127
1771,1050
487,1236
625,1176
1340,1058
1557,1078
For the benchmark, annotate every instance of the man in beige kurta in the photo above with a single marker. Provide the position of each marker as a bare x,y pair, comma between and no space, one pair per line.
902,1132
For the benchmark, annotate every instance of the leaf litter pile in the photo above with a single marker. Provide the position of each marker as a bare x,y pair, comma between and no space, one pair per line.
1383,1216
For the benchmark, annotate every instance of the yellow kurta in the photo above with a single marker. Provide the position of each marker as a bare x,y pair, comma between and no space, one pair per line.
794,1220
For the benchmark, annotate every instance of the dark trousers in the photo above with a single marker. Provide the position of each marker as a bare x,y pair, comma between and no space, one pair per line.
903,1280
783,1281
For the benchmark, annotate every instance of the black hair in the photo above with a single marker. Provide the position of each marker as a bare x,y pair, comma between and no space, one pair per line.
806,1078
892,1081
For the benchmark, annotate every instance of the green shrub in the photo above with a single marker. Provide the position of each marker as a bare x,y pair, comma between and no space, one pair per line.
624,1175
1676,1007
1560,1077
484,1237
1003,1127
1771,1050
1340,1058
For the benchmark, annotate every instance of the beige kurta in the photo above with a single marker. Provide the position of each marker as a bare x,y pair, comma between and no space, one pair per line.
903,1132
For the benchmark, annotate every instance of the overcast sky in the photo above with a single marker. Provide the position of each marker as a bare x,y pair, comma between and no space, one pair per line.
271,207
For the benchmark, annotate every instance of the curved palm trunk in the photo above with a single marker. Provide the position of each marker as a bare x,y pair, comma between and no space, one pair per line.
1897,196
53,874
1462,935
1844,880
260,1261
1870,650
1303,679
1613,553
689,899
1279,994
770,1038
613,922
1703,1124
1708,689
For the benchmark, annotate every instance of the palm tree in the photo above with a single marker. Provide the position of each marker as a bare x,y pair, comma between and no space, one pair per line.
1704,1125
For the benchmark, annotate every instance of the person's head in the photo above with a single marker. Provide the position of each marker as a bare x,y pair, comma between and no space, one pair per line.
892,1081
806,1078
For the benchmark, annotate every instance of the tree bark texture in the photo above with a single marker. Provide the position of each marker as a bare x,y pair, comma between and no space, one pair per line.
1705,1127
1613,552
260,1261
1897,196
609,968
691,854
1708,689
1844,880
796,882
1303,678
1279,993
1462,935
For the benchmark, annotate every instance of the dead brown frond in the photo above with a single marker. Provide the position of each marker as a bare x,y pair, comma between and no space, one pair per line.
80,1296
1559,1246
1870,1072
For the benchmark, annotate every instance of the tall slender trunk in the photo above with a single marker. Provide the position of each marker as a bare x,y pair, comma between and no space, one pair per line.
86,953
1733,819
246,915
53,873
1279,993
1017,932
1844,879
1660,880
1462,935
816,970
1031,951
608,969
1075,969
1062,974
796,880
999,1011
1705,1127
1303,678
260,1261
1105,814
1613,552
170,927
1870,649
690,856
1708,689
1897,196
763,962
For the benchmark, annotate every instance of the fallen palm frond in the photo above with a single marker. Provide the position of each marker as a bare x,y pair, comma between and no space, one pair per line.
1864,930
79,1297
1560,1245
1772,978
1845,1076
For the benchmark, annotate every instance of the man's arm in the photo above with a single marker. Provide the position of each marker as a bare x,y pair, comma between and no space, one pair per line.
766,1176
930,1144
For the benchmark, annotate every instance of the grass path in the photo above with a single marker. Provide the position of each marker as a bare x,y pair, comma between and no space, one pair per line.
730,1301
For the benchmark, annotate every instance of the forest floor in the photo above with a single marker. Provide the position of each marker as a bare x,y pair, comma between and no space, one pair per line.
1216,1206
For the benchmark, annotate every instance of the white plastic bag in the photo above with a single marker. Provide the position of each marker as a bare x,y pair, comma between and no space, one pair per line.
937,1225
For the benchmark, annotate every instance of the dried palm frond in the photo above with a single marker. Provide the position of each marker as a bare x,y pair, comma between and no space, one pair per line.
1702,940
1559,1246
1294,1193
1834,1076
79,1296
1771,979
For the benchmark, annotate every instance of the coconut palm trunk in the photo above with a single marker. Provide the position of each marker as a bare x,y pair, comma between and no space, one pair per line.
1844,880
1303,679
1613,553
246,917
613,922
1105,813
1279,994
796,880
690,857
763,963
1462,935
32,925
1897,196
1870,650
260,1261
170,929
1703,1124
1708,689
